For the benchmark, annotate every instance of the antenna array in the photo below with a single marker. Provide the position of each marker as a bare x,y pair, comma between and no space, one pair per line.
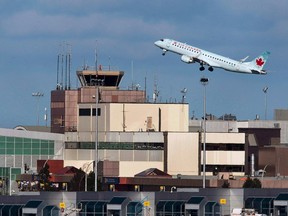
64,58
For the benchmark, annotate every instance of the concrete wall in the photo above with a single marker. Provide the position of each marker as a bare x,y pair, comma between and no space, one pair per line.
128,169
182,153
233,138
131,161
218,126
225,157
136,117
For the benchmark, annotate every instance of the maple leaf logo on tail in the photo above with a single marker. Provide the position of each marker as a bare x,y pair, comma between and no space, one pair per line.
259,62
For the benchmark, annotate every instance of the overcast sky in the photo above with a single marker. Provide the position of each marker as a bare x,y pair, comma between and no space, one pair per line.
124,31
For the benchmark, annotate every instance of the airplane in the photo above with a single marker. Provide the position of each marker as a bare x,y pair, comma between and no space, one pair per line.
190,54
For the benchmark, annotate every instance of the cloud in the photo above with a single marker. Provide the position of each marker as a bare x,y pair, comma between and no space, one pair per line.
32,23
31,32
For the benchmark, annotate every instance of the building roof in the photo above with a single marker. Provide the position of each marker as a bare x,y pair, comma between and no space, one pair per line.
66,170
33,128
117,200
33,204
153,172
282,196
195,200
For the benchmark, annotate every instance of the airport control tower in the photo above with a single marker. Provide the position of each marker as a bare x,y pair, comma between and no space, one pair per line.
103,82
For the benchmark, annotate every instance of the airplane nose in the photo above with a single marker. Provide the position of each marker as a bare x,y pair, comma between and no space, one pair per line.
157,43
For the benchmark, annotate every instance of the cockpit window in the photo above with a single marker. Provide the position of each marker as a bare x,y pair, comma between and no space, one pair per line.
162,40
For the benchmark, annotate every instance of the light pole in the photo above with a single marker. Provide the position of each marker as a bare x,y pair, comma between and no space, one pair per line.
85,170
183,91
98,82
265,89
38,95
204,82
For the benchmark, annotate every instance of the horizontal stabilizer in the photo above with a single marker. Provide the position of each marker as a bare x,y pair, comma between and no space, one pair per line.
244,59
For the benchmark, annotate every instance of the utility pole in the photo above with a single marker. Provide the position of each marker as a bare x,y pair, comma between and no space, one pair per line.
37,95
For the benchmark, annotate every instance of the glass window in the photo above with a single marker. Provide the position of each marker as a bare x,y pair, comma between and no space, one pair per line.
36,151
94,112
84,112
87,145
18,151
27,140
10,139
51,151
18,140
27,151
18,145
51,144
35,144
2,145
71,145
10,144
44,144
44,152
10,151
27,145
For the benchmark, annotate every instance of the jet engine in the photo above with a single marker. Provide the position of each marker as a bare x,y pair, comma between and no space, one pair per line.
187,59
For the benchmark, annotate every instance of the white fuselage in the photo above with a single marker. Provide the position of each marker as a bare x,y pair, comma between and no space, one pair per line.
191,54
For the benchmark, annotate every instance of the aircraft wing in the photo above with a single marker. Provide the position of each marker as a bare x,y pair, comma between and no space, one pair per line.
209,62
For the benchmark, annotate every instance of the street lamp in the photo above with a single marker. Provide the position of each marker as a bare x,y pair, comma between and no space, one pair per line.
85,169
183,91
38,95
98,82
265,89
173,189
263,172
204,82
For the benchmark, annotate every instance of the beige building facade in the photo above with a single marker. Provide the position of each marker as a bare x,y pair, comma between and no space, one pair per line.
135,133
173,152
225,152
132,117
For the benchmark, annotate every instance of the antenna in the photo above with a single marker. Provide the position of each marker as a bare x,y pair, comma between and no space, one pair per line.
132,71
66,68
69,47
265,90
63,79
38,95
156,92
145,87
57,84
96,59
109,63
62,65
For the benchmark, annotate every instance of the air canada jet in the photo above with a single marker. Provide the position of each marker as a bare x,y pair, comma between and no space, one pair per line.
190,54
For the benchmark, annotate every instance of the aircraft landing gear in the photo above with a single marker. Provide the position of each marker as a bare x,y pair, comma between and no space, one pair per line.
164,52
202,68
210,69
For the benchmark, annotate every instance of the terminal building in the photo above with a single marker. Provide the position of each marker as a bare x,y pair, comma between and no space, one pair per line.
145,146
134,135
